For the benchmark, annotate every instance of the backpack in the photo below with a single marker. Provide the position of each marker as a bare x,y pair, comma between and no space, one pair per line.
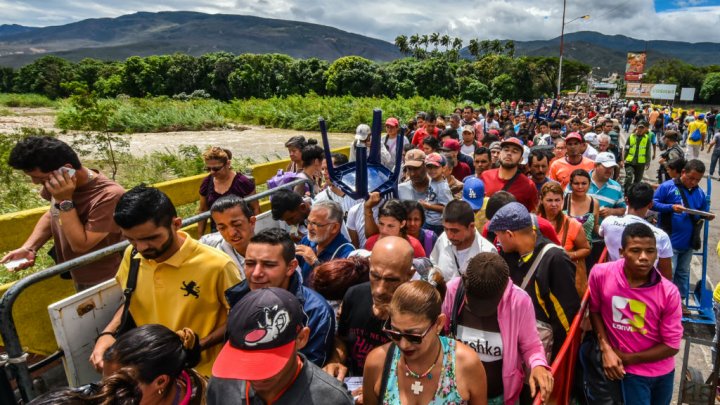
696,135
281,178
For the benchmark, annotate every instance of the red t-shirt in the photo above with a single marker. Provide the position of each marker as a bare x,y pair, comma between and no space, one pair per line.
522,188
421,133
416,245
461,170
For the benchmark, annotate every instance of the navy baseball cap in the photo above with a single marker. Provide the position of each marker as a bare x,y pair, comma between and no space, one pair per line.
511,217
262,328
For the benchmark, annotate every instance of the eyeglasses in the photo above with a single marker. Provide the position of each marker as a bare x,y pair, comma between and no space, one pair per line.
316,225
214,169
410,337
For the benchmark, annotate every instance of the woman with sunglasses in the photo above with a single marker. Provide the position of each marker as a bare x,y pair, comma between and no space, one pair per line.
222,181
418,365
496,318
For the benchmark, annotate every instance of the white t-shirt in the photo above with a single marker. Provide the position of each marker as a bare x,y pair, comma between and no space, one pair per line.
488,345
468,149
590,153
356,221
612,228
345,201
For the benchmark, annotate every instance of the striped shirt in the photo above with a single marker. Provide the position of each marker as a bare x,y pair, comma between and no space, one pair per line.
610,195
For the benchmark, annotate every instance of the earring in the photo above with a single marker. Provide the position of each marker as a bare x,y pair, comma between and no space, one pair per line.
160,392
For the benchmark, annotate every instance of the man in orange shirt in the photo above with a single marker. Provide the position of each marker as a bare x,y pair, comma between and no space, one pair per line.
561,169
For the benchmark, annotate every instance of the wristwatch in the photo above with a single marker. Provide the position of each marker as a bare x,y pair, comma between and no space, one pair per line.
65,205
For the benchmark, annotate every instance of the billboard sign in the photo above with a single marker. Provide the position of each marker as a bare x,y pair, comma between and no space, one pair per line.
604,86
635,66
652,91
687,94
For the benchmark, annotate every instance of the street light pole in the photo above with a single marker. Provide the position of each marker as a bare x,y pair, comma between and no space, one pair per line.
562,43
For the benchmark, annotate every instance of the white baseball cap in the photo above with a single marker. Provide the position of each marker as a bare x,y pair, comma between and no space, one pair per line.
606,159
362,132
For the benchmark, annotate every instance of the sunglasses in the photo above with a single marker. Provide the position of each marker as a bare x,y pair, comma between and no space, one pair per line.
214,169
410,337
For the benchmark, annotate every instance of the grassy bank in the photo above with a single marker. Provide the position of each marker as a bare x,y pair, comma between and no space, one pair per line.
130,115
25,100
162,114
342,114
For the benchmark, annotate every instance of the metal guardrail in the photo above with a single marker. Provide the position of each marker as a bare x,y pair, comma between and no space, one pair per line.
16,360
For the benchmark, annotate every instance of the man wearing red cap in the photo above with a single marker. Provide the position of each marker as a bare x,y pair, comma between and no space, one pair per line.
261,362
508,177
561,169
464,162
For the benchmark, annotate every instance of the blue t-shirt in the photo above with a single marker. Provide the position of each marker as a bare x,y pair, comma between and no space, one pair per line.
667,195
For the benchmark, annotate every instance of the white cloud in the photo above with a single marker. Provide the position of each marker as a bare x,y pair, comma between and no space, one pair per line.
385,19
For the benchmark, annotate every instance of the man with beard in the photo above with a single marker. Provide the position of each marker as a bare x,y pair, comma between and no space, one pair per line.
324,241
365,307
180,282
508,178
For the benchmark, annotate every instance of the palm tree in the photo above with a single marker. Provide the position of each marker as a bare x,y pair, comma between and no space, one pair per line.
496,46
510,48
445,41
457,43
484,47
435,39
424,40
413,44
401,41
474,48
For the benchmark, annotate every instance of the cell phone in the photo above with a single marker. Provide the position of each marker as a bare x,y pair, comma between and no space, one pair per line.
14,264
68,170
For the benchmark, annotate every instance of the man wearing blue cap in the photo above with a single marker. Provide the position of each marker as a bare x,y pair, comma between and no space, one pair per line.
474,194
540,268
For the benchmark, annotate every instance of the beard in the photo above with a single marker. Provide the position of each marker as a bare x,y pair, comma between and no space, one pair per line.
508,165
152,254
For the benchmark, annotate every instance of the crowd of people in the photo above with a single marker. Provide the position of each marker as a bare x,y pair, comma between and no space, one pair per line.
427,296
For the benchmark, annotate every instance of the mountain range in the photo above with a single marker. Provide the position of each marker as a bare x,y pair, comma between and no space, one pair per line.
145,34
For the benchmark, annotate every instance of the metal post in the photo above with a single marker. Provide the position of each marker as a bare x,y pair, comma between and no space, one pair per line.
562,43
16,360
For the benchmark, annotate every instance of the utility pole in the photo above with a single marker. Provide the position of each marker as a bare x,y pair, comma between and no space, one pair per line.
562,43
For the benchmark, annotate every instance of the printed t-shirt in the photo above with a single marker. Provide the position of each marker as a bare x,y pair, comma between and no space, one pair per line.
185,291
359,328
482,334
637,319
612,228
436,193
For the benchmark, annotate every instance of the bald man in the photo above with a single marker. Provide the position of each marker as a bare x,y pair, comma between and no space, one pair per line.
365,307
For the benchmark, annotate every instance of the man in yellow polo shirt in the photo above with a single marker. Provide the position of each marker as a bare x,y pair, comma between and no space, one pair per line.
180,282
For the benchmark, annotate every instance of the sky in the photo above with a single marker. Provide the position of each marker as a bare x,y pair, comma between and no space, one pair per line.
681,20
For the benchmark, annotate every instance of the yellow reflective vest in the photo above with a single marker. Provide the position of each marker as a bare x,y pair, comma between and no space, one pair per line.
632,141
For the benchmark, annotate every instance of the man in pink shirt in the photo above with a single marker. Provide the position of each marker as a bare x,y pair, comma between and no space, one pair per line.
636,315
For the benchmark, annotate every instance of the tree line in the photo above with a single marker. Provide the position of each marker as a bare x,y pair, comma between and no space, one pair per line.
494,74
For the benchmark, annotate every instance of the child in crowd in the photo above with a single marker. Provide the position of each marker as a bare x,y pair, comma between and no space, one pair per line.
435,162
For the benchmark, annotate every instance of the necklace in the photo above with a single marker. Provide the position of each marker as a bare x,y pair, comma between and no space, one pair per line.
417,386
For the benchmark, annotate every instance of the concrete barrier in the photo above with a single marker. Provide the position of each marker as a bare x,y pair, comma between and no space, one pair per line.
30,311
